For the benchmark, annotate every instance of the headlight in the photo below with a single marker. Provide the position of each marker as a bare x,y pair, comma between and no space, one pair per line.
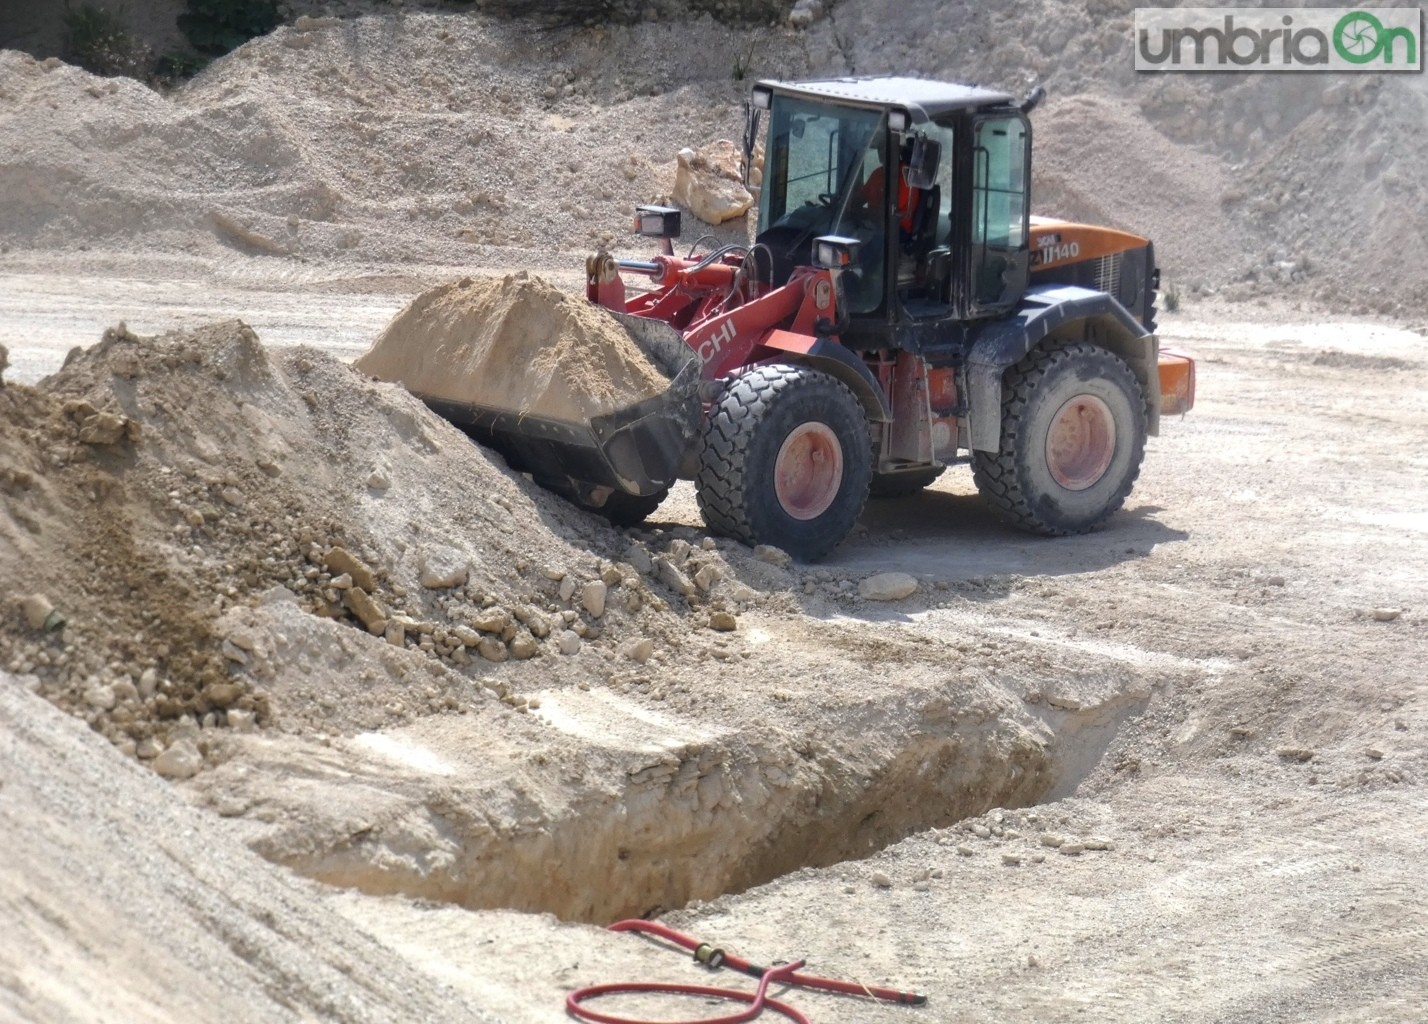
657,221
834,252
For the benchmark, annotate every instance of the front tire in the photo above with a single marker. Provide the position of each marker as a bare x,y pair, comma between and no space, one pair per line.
1072,441
785,459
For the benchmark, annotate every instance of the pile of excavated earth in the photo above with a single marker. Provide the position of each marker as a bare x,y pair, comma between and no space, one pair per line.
194,510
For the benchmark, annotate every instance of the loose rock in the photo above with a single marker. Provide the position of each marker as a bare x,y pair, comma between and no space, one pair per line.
724,622
492,649
443,567
339,560
772,555
368,611
887,586
41,614
568,642
703,184
639,650
671,577
180,761
592,598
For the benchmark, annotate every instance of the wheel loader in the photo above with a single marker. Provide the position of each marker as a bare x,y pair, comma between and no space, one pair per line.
898,311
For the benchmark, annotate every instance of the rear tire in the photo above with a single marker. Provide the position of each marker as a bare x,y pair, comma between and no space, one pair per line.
900,485
1072,440
785,459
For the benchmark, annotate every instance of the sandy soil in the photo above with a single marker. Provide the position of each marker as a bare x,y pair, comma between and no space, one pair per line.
1206,684
520,344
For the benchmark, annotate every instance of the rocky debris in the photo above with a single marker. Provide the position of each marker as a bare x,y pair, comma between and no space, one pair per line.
670,575
639,650
887,586
1301,755
368,610
311,23
443,567
100,428
1011,860
707,181
639,559
339,560
805,13
4,363
181,760
592,598
492,620
101,697
773,556
1052,840
880,880
568,641
723,622
40,613
1386,614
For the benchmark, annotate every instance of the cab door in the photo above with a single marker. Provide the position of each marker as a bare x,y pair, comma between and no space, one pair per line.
998,257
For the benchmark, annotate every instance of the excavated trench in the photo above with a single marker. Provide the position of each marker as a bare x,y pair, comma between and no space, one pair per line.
693,816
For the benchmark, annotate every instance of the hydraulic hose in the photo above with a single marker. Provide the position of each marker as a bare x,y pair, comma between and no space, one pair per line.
712,957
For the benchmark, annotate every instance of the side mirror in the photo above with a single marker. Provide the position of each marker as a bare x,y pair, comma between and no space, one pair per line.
920,171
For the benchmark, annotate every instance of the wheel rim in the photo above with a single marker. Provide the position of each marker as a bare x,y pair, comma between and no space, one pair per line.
1081,442
808,471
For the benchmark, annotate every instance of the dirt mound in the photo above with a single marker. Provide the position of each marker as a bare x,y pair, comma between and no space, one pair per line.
124,902
520,345
233,537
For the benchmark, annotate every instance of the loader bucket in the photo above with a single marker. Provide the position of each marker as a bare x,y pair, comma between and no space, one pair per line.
637,449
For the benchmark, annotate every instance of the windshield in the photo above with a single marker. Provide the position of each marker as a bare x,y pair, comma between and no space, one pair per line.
821,160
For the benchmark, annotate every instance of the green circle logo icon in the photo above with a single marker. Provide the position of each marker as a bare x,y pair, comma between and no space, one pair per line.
1358,37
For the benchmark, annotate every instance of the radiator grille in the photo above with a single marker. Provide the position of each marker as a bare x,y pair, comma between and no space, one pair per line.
1108,273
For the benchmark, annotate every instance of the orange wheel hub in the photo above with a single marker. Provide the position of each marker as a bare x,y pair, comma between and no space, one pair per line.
1081,442
808,471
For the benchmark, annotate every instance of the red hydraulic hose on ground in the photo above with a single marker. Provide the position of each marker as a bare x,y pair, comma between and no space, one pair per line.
706,954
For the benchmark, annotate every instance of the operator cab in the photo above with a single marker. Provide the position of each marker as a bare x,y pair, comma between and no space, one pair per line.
932,180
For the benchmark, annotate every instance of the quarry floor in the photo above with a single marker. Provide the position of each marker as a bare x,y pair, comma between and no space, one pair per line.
1222,690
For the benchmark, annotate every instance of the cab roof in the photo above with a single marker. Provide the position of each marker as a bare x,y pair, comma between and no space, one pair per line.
922,98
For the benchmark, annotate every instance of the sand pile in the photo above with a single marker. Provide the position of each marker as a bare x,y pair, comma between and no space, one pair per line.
122,901
519,345
196,533
455,138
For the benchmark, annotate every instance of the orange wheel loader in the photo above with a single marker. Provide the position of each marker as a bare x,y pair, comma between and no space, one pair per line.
898,311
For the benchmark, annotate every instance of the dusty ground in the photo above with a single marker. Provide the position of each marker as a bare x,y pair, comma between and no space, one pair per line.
1204,683
1219,697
